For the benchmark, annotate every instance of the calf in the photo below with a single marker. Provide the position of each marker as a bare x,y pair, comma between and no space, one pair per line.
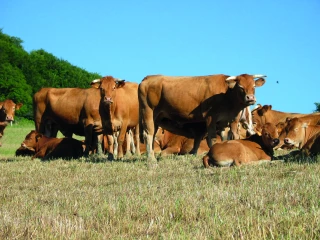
254,149
49,148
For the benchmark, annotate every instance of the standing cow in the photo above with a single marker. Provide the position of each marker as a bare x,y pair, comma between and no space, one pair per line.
119,109
174,102
7,112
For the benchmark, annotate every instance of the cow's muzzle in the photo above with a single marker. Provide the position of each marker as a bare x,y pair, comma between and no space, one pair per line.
250,99
108,100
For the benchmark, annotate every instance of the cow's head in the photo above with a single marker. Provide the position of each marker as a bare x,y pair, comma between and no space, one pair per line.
294,132
245,85
259,115
108,86
30,141
7,110
270,135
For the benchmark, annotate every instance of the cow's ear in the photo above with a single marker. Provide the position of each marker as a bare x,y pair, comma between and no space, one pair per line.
231,83
95,83
120,83
259,82
288,119
19,105
270,107
38,136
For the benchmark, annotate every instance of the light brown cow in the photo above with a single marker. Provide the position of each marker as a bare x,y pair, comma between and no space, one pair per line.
242,126
171,143
264,114
119,109
255,149
297,132
308,119
51,148
193,106
7,113
70,110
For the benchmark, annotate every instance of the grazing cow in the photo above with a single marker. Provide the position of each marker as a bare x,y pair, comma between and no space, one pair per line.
298,132
70,110
264,114
50,148
7,112
255,149
119,109
171,143
193,106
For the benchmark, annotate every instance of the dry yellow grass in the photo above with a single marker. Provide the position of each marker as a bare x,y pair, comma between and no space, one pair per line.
97,199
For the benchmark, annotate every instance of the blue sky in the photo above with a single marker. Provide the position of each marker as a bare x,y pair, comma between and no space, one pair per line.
132,39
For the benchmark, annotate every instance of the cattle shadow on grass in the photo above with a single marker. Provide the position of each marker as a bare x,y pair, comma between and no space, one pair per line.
296,156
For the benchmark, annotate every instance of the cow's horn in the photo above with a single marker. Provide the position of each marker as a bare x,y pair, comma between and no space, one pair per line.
231,78
258,76
96,80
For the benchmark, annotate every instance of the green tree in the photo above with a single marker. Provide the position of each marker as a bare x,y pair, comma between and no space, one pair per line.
317,107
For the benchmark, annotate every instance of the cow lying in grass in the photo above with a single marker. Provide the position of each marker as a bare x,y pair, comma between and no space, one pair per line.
299,134
50,148
255,149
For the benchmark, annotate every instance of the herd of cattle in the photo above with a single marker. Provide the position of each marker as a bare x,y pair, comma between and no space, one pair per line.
167,115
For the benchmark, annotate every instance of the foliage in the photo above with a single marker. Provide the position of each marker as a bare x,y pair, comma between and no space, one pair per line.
22,73
317,107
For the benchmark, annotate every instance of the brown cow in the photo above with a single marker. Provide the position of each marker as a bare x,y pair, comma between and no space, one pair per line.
242,126
119,109
297,132
193,106
255,149
70,110
308,119
7,112
171,143
264,114
50,148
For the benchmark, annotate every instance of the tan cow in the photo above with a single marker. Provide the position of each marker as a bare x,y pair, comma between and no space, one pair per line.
51,148
193,106
264,114
297,132
70,110
7,113
255,149
171,143
119,109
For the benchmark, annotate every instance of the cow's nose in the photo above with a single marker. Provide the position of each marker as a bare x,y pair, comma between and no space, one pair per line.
9,118
250,98
108,99
276,141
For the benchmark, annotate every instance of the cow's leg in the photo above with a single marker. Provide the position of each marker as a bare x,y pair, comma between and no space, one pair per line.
122,135
212,131
128,143
196,144
88,139
136,140
110,140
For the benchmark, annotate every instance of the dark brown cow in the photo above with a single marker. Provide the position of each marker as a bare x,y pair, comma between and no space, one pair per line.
264,114
119,109
255,149
70,110
297,132
171,143
51,148
182,104
7,112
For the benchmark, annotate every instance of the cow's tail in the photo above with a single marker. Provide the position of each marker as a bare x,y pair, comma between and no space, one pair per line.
206,160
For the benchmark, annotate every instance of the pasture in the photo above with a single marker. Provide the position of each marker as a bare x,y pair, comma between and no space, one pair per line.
95,198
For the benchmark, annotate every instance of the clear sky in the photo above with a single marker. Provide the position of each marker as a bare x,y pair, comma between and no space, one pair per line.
130,39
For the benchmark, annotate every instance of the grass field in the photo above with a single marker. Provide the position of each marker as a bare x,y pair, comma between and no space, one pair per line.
98,199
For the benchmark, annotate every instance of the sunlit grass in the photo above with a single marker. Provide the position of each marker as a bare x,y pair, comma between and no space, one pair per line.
98,199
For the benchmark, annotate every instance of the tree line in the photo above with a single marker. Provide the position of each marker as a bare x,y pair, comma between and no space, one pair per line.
22,73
